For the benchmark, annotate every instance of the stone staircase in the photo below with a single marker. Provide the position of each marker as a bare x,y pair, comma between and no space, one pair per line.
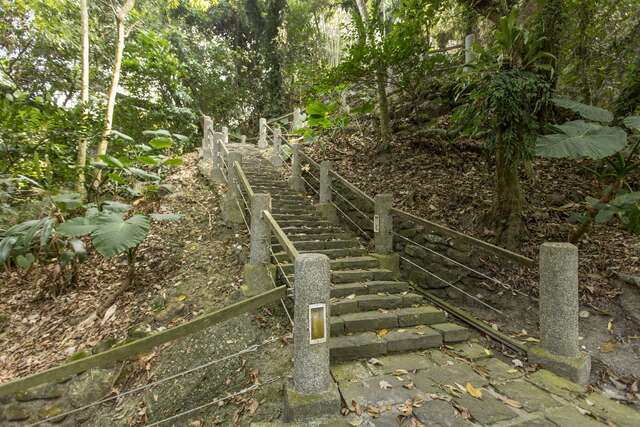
372,312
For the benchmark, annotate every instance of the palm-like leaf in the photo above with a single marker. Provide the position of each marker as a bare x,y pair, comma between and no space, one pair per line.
582,139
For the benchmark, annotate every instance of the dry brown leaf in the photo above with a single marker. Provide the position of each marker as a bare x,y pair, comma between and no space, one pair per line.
474,392
608,347
383,332
409,386
385,385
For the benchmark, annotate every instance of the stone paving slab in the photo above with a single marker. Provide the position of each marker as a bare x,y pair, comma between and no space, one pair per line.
435,383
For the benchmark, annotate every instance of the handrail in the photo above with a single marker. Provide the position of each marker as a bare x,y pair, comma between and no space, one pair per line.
288,247
144,344
243,179
352,187
495,250
280,117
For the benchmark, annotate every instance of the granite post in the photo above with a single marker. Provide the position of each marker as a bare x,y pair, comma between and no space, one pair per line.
258,271
325,206
295,180
243,139
262,137
206,138
231,213
225,135
312,393
298,120
276,160
559,306
468,51
216,173
383,233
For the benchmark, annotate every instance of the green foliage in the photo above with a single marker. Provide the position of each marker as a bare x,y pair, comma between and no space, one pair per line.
114,235
578,139
589,112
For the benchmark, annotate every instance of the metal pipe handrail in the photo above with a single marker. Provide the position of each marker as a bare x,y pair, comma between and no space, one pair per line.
243,179
288,247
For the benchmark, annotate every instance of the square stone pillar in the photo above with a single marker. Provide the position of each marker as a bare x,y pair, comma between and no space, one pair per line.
383,233
207,124
312,393
216,174
262,136
276,160
231,212
243,139
298,120
295,180
225,135
468,51
325,206
259,270
559,306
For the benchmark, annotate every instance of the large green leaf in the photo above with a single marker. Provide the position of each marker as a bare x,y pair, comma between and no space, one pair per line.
68,201
6,245
632,122
158,132
115,134
144,175
589,112
115,207
113,235
160,142
77,227
582,139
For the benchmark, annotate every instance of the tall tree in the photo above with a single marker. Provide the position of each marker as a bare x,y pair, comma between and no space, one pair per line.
121,14
84,93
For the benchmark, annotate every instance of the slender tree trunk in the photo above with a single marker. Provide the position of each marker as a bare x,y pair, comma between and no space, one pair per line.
84,95
121,16
383,107
509,224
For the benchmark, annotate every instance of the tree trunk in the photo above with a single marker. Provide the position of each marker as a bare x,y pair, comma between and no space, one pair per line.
383,107
509,224
84,95
121,16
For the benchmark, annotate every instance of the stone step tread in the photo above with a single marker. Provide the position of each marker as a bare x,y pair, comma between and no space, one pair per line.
371,344
310,230
331,253
375,320
346,262
361,275
311,245
371,287
317,237
360,303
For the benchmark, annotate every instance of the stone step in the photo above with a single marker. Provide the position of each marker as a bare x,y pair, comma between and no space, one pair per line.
331,253
357,275
365,288
320,237
366,345
372,302
386,319
297,210
344,263
311,230
285,216
312,245
304,223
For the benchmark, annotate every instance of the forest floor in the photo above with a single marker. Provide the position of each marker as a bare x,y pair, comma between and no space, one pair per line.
451,184
184,268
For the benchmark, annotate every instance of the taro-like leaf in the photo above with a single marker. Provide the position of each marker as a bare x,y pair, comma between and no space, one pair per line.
25,261
148,160
160,142
176,161
119,135
47,231
77,227
113,235
158,132
626,199
581,139
117,178
111,161
589,112
6,245
79,249
68,201
181,138
632,122
144,175
115,207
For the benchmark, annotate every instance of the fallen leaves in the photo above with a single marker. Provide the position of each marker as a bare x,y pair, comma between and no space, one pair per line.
385,385
474,392
608,347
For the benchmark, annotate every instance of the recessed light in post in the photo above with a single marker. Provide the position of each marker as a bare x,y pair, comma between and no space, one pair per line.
317,323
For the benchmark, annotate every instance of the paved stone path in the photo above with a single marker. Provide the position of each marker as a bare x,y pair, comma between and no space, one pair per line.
421,370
